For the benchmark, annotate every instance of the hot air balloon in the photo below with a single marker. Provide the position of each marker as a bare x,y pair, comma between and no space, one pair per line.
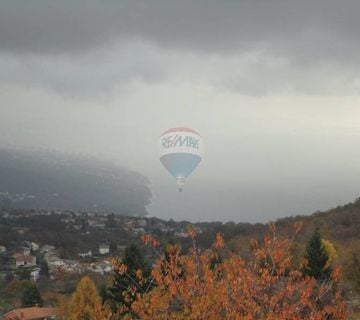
181,150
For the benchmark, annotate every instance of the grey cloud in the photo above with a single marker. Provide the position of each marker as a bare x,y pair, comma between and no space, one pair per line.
105,72
254,47
95,73
309,29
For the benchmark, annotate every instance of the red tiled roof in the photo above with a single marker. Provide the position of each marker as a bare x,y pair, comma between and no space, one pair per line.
181,129
33,313
22,257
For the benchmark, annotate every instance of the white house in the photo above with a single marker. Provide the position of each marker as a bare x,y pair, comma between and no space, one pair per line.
25,260
26,251
85,254
47,248
35,274
142,223
104,249
181,234
34,246
55,262
138,230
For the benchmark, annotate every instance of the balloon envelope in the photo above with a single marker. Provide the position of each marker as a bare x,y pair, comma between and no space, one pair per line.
181,151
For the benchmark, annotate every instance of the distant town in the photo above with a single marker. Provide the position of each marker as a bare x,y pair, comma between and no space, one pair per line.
30,251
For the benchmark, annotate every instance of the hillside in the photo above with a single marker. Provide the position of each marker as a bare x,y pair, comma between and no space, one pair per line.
73,234
340,225
43,179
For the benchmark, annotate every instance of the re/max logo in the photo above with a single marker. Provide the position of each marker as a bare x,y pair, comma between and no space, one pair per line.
180,141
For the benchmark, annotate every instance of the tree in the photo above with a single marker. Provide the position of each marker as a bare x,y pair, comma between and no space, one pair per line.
317,259
63,311
24,274
265,287
122,291
31,295
103,292
330,250
44,269
9,277
356,271
86,304
112,247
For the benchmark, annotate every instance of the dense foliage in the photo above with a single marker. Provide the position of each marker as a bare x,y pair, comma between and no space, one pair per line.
189,286
317,258
121,292
85,304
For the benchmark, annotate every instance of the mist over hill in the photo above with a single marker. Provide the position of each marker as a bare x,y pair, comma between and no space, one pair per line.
44,179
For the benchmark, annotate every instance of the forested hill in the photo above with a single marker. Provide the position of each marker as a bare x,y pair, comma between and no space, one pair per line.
42,179
340,225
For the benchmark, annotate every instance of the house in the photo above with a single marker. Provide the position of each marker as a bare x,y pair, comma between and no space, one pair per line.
101,267
138,230
95,223
47,248
26,251
33,313
104,249
24,260
181,234
121,249
2,249
85,254
71,266
34,246
54,262
142,223
20,230
35,274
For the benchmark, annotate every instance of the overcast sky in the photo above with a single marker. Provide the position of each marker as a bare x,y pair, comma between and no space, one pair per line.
271,85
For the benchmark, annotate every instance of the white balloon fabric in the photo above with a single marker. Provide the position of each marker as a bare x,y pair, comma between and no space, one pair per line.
181,150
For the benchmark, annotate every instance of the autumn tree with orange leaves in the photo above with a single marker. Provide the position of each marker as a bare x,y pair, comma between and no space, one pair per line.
84,304
267,287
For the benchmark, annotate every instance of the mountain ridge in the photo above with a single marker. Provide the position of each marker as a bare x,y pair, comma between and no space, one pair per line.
40,179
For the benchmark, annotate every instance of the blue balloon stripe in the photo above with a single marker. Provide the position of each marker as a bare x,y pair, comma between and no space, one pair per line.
180,165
